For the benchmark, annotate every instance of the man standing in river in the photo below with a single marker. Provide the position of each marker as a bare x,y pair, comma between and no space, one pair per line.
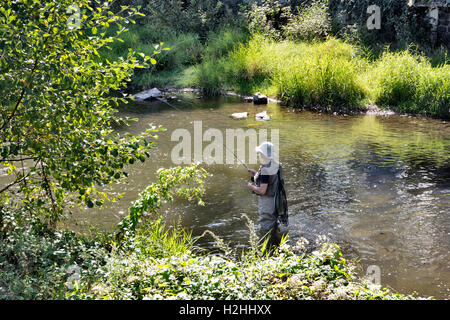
266,182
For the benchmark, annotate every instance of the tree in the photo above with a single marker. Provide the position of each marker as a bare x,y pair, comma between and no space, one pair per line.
57,105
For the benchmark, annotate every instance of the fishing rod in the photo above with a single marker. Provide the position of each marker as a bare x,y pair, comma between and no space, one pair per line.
179,110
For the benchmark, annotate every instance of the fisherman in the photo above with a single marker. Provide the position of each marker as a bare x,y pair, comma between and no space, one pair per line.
266,184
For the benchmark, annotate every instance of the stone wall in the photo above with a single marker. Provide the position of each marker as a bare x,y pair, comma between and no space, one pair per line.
443,28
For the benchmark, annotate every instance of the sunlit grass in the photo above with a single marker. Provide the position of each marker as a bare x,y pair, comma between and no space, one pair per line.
408,83
323,73
330,74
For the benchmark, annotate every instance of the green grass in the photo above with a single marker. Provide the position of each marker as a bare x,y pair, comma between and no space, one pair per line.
185,50
300,73
408,83
175,66
331,74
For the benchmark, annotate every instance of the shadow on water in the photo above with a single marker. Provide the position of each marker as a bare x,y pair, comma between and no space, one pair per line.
378,186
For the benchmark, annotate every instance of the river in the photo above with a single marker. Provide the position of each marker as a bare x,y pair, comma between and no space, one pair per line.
379,186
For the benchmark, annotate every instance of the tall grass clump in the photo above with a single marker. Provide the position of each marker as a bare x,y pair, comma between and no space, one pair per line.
219,43
155,239
325,73
216,71
408,83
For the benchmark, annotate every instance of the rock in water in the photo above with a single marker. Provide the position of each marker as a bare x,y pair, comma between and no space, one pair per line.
263,116
148,95
259,98
239,116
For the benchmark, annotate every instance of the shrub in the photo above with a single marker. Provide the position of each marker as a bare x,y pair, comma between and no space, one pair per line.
200,16
37,263
408,83
157,262
311,23
267,18
400,24
322,274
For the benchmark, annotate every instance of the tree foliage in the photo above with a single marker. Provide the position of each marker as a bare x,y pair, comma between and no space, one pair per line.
197,16
57,143
313,22
187,183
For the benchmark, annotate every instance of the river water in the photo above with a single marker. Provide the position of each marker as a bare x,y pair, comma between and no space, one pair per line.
378,186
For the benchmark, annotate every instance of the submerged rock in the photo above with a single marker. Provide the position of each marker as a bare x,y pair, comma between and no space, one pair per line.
238,116
374,110
263,116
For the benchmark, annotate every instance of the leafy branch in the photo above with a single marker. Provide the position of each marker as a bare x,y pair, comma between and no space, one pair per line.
184,182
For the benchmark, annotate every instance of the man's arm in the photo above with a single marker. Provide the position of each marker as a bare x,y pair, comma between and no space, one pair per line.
261,190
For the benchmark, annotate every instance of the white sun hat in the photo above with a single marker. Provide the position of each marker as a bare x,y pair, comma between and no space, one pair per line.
267,149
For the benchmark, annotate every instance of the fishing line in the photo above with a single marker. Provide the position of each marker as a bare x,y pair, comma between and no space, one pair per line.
185,113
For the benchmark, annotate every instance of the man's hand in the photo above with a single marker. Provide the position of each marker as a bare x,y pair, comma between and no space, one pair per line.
252,172
261,190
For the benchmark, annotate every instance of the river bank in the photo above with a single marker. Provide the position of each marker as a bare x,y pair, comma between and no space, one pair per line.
158,263
167,93
329,76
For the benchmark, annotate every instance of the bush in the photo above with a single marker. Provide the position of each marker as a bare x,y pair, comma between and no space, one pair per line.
312,22
400,24
159,263
323,274
199,17
267,18
408,83
37,263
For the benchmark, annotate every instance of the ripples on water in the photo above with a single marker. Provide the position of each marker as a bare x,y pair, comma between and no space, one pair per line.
378,186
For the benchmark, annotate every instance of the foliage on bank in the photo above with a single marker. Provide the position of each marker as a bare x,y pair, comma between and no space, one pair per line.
158,262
